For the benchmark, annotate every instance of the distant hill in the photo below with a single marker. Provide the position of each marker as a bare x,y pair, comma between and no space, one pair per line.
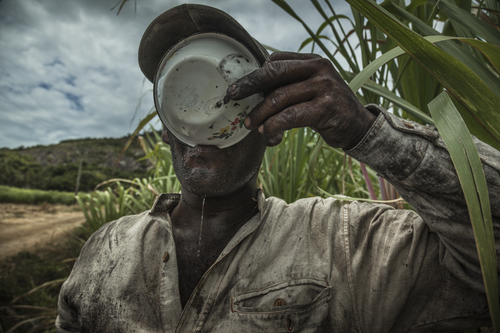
55,167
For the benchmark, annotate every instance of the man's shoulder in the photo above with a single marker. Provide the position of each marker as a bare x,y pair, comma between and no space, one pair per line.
304,204
121,225
313,210
330,208
118,260
125,240
125,233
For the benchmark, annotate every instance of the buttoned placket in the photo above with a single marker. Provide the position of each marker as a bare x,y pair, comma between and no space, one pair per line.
197,310
170,301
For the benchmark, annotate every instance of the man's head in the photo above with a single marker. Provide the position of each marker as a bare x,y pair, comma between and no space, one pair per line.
186,20
204,170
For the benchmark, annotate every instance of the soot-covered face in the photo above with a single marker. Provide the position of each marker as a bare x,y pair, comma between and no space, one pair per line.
211,171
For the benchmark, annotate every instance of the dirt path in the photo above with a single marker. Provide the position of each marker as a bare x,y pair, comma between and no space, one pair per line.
25,227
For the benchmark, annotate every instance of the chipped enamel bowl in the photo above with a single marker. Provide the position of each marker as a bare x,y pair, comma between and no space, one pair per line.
190,85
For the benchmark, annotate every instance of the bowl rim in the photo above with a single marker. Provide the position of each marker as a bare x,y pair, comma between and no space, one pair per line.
169,54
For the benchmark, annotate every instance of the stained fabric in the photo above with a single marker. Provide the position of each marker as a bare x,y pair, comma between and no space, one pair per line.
316,265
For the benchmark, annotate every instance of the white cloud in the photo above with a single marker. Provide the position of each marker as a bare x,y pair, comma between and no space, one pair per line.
69,69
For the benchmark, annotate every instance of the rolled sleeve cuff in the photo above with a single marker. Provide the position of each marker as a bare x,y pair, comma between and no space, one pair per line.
393,147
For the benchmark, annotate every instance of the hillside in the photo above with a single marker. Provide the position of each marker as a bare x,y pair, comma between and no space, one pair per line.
55,167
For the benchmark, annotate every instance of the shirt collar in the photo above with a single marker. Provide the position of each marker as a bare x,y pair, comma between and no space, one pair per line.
165,202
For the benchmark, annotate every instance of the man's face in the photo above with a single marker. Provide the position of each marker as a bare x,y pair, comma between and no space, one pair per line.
210,171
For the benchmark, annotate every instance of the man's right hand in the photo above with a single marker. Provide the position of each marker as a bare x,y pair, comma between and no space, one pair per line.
303,90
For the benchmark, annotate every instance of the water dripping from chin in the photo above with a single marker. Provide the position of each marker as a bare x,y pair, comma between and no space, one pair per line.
201,225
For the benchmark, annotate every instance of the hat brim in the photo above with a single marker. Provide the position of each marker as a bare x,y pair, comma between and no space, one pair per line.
183,21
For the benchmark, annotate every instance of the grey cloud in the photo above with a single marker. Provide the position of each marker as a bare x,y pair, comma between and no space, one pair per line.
69,69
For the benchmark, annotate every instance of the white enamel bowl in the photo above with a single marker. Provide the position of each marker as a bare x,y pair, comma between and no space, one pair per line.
190,86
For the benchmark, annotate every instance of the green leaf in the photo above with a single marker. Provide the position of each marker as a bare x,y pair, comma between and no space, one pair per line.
461,54
467,163
390,96
474,127
414,4
306,42
491,51
139,127
372,67
328,21
312,166
480,28
284,5
460,81
310,39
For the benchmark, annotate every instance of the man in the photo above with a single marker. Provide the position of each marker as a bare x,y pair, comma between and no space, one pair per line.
260,265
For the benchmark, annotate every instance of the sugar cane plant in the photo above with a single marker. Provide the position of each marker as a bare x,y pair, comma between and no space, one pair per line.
458,81
431,61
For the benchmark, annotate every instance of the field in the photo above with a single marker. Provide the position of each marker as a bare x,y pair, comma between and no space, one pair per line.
434,80
20,195
38,243
24,226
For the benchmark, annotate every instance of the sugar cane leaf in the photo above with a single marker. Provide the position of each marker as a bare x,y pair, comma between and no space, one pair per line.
479,27
286,7
468,166
390,96
458,79
369,70
462,54
492,52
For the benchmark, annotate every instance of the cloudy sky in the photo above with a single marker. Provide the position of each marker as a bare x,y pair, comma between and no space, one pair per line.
68,69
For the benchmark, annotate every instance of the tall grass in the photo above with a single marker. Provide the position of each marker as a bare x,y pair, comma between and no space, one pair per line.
20,195
301,166
469,71
115,201
30,283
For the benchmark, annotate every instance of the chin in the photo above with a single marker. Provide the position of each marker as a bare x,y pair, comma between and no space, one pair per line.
207,182
218,172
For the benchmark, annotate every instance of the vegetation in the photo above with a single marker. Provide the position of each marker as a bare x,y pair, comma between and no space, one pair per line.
55,167
100,207
457,81
30,283
20,195
427,61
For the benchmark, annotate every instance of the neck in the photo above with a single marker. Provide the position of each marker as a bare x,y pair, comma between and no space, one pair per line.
203,230
220,211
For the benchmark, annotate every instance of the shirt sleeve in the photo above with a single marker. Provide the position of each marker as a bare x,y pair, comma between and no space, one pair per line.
67,318
415,272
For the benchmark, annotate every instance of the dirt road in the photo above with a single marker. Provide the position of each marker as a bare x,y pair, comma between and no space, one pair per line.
25,227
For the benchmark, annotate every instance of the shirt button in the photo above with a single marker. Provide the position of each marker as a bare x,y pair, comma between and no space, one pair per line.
166,256
279,302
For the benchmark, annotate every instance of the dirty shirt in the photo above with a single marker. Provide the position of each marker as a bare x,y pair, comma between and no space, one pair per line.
316,265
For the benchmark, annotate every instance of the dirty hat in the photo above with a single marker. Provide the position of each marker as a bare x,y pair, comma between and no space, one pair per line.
183,21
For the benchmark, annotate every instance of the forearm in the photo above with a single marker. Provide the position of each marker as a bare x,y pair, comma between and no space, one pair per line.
413,158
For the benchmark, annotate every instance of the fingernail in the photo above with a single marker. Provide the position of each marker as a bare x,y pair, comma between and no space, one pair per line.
233,89
261,129
247,122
